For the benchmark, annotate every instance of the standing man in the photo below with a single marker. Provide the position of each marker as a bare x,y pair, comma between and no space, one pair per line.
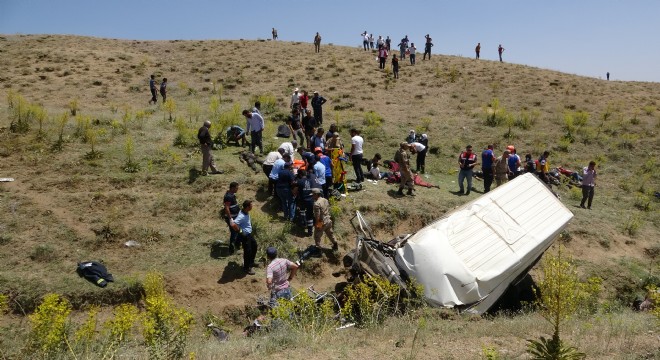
320,172
163,89
357,143
388,43
608,76
403,46
514,162
487,158
303,193
295,100
243,225
588,184
427,47
267,167
501,168
206,144
274,32
466,161
500,50
296,127
154,91
403,159
317,106
257,108
327,162
284,190
279,273
317,42
477,50
230,212
382,56
322,220
255,125
421,148
412,50
365,40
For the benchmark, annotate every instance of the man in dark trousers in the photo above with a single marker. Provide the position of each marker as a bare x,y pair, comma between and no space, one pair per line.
154,91
163,89
427,47
487,158
243,226
230,212
317,106
206,144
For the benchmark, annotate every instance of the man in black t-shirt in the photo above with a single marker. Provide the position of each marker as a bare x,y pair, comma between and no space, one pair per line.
303,191
206,143
296,127
229,213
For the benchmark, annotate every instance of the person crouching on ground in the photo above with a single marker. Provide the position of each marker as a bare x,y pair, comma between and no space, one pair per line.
279,274
322,220
243,225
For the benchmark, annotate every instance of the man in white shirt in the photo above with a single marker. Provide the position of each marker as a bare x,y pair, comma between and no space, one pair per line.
255,126
356,154
290,148
295,99
267,166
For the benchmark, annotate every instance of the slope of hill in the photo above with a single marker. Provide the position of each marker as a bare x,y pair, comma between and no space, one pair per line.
66,206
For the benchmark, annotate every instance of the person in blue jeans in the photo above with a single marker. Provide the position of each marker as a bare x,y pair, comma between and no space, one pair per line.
283,188
487,158
466,161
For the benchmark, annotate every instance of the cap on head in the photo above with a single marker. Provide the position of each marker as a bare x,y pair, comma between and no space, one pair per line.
207,123
296,90
316,191
412,131
316,92
271,251
424,136
510,148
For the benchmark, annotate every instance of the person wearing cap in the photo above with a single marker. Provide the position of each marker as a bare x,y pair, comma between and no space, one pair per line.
487,159
295,99
255,126
514,162
279,273
206,144
357,154
243,225
267,167
420,148
317,106
403,159
466,161
322,220
501,168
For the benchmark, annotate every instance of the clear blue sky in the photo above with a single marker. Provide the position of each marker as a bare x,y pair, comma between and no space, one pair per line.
584,37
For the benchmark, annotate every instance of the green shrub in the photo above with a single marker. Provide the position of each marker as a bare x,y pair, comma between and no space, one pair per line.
43,253
49,325
632,225
305,314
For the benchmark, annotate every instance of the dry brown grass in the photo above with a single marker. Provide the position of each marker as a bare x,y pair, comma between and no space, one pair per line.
62,200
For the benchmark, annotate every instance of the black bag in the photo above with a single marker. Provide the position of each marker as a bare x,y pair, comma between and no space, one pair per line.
283,131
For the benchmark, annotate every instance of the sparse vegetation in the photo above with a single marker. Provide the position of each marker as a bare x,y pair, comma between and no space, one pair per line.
90,209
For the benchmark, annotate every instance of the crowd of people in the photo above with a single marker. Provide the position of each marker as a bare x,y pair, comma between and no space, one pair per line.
304,173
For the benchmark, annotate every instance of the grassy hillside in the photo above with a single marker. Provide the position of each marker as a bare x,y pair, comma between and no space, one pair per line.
68,204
